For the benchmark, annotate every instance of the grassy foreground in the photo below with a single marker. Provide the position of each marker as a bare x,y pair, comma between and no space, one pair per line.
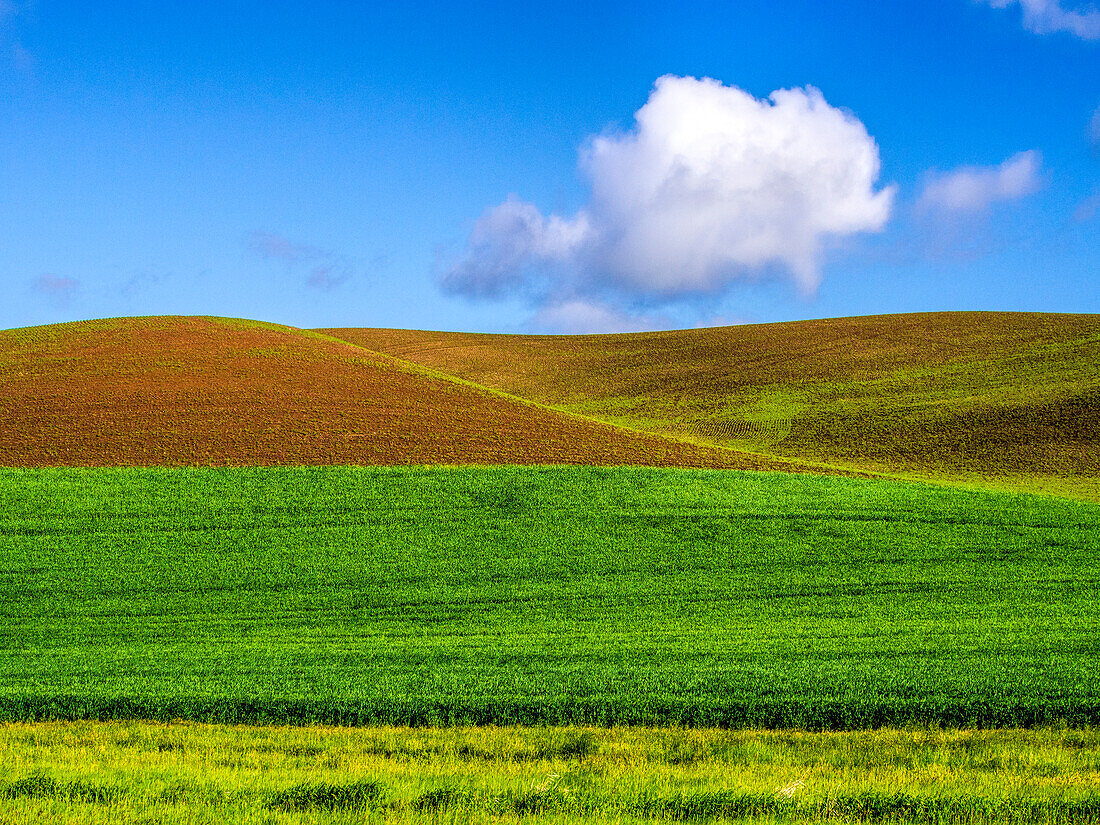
542,596
88,772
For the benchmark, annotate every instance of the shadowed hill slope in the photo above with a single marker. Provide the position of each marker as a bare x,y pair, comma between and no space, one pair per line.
208,391
1002,397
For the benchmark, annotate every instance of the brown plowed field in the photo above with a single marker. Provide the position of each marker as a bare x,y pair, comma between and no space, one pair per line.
205,391
966,394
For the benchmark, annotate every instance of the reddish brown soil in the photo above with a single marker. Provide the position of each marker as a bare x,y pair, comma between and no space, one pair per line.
203,391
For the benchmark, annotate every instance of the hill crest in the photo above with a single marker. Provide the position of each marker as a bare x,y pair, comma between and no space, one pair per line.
1005,398
172,390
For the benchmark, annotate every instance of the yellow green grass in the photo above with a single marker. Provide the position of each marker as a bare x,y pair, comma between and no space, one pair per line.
131,772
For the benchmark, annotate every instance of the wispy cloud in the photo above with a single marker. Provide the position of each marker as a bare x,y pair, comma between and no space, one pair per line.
279,247
329,275
141,281
711,186
11,48
977,188
1087,209
1048,16
23,58
59,289
321,268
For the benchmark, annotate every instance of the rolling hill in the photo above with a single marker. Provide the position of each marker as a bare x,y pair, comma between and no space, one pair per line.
1007,399
214,391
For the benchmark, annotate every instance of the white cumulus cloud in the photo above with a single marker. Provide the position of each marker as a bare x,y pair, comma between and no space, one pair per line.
713,181
710,185
507,241
579,315
976,188
1047,16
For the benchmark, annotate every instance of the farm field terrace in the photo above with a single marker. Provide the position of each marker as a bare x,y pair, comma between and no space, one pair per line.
195,391
131,772
1007,400
542,596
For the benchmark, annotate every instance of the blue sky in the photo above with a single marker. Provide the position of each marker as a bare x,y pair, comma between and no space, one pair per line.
478,166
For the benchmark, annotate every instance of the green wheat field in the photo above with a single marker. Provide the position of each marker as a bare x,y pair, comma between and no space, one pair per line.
677,611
